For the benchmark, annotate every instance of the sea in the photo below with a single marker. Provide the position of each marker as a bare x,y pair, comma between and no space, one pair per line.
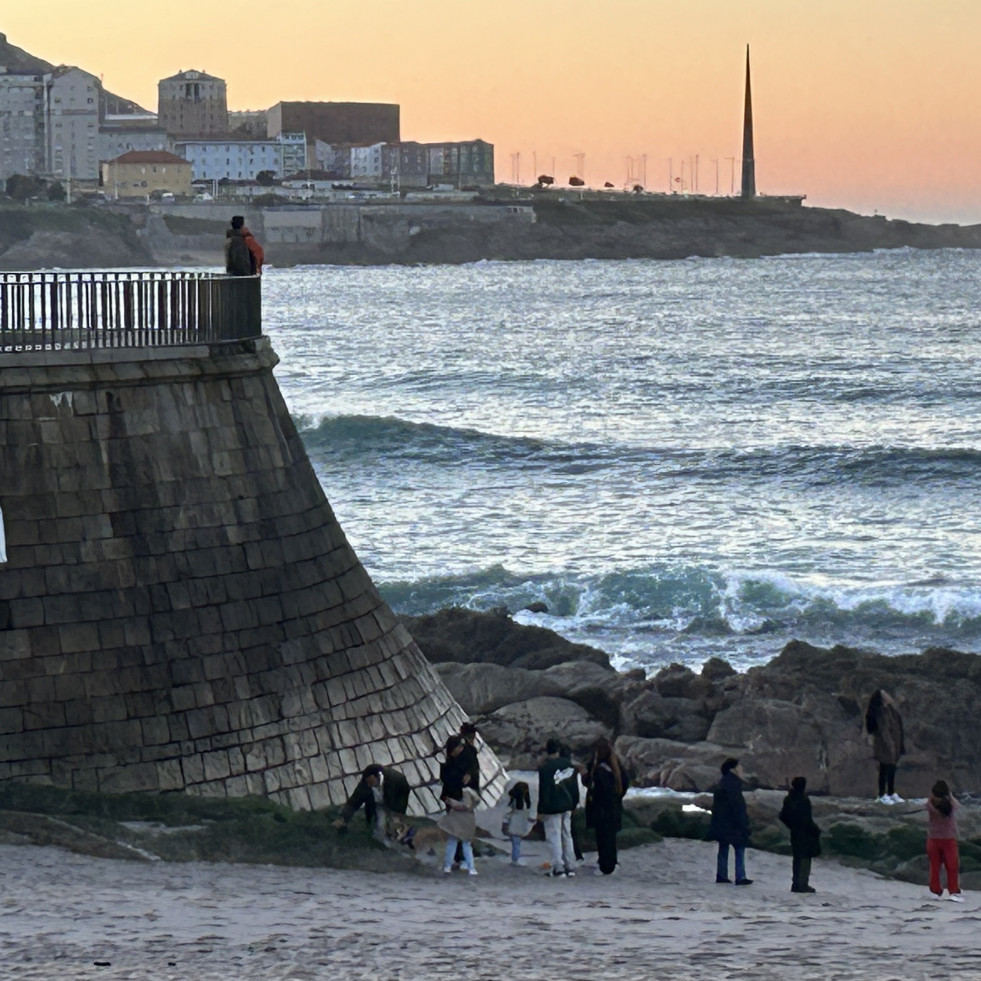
668,460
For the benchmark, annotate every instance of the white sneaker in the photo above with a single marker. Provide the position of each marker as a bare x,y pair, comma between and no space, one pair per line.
884,800
956,897
447,870
471,871
896,799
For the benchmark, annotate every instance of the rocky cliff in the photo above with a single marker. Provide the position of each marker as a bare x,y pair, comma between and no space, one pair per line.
799,714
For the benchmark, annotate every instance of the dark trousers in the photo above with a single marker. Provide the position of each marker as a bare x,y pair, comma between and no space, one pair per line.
887,779
606,847
801,872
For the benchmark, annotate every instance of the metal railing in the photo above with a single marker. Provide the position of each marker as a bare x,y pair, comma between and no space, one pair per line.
53,311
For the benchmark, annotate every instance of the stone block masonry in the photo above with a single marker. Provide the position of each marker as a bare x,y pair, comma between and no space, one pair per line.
179,608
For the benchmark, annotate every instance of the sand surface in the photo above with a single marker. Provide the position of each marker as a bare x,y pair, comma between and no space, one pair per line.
65,916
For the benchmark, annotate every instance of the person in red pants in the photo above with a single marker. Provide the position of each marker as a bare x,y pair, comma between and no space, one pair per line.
942,809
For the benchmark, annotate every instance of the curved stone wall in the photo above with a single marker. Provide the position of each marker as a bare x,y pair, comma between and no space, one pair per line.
179,608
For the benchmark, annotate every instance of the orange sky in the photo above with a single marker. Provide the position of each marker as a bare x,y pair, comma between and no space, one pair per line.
870,105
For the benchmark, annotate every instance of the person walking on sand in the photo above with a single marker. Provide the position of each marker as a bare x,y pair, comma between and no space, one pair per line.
517,821
805,835
606,783
884,726
460,826
942,810
730,823
555,809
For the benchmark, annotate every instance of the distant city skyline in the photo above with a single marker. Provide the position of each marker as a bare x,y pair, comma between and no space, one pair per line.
868,105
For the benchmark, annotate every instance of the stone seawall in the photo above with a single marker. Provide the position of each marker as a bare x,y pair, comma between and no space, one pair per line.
179,608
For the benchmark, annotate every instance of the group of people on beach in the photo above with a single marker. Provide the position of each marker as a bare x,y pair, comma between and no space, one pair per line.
384,793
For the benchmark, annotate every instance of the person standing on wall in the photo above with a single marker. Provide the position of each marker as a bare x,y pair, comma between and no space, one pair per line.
243,254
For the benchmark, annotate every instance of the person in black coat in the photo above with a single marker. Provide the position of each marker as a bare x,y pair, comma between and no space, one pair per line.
453,771
383,792
606,784
805,835
730,823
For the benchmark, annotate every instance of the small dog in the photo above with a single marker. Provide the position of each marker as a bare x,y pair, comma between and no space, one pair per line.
422,840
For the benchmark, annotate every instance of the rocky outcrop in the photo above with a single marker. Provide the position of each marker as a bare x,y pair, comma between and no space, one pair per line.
46,237
549,226
799,714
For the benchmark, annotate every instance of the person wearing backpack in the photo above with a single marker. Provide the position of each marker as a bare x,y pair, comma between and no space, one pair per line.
243,254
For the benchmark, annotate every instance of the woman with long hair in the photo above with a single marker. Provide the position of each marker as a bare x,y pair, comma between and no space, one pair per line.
606,784
942,809
885,730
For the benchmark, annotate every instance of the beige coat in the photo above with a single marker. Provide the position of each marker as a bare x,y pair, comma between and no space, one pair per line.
460,821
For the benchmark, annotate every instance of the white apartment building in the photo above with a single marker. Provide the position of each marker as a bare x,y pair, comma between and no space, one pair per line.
49,123
71,110
243,160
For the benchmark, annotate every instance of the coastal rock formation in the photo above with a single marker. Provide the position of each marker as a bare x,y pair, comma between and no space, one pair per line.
69,238
552,225
799,714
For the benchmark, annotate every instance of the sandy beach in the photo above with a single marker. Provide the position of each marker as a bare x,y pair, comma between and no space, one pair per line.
65,916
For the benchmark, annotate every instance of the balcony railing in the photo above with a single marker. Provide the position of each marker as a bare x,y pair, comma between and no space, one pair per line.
62,311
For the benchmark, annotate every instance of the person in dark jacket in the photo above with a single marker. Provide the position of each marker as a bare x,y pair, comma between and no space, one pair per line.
470,762
243,253
453,771
572,786
606,784
730,823
805,835
555,808
884,726
383,792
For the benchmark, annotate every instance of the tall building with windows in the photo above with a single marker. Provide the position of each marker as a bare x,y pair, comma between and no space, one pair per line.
21,123
49,123
72,101
192,103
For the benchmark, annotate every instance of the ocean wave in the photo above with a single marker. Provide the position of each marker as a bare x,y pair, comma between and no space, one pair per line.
694,604
358,437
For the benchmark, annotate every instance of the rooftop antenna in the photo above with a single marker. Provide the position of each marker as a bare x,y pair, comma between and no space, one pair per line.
749,163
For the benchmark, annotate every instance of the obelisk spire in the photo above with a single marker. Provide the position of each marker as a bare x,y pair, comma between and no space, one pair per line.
749,163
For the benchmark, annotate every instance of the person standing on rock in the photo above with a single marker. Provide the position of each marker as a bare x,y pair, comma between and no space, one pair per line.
942,810
805,835
884,726
555,809
730,823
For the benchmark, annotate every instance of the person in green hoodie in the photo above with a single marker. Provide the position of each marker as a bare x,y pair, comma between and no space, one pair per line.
555,807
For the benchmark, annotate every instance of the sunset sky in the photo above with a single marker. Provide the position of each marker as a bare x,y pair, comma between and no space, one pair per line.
870,105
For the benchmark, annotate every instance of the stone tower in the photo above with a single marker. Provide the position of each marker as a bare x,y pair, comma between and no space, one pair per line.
749,163
192,103
179,608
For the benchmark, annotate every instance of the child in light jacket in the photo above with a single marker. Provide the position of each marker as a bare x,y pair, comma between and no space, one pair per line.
517,822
